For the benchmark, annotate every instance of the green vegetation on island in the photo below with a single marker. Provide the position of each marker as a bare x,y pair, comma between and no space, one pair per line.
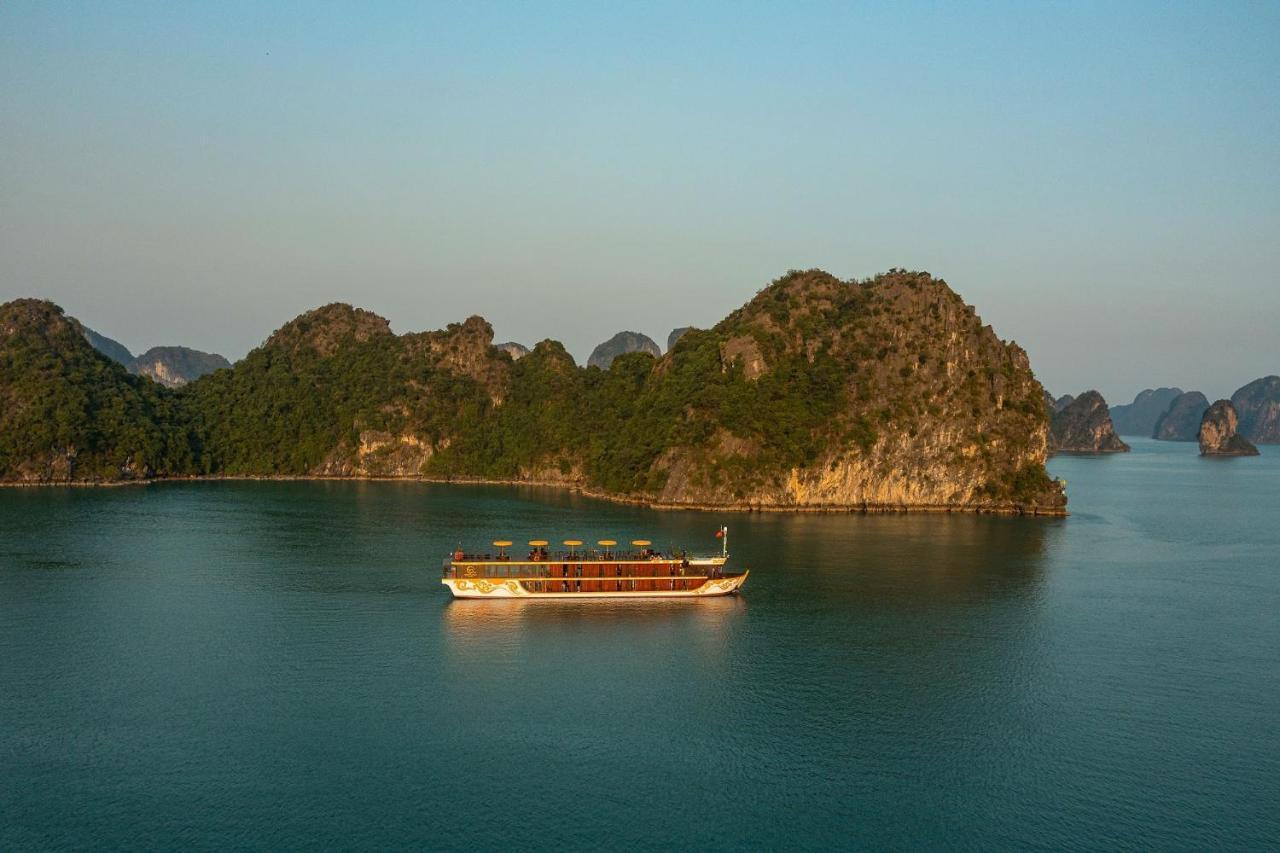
69,413
882,393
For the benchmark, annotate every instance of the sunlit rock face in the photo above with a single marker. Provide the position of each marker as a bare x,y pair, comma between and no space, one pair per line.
513,349
1218,436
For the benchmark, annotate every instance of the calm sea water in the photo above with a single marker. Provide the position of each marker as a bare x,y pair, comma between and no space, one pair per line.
275,665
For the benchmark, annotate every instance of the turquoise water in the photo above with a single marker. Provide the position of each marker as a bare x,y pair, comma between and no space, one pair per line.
275,665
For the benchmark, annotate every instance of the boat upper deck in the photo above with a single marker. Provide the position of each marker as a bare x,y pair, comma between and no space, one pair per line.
460,558
605,551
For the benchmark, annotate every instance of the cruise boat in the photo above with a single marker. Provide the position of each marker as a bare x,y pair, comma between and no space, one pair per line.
577,571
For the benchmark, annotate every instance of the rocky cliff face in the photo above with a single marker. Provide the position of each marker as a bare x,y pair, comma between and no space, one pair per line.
888,392
620,344
1140,416
1218,433
513,349
1258,405
1084,426
1182,420
675,335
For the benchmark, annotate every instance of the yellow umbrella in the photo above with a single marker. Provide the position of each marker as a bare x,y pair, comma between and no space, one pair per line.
538,543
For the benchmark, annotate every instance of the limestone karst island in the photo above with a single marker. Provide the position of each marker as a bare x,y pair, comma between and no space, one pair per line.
818,394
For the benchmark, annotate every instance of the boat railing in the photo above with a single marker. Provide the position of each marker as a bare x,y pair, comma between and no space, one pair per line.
635,570
587,556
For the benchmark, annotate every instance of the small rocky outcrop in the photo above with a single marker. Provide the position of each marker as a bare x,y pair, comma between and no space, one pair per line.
464,349
676,334
620,344
1182,420
1084,426
326,329
744,350
1218,435
1140,416
1258,405
513,349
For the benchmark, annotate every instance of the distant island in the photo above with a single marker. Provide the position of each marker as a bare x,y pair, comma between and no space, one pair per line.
676,334
1258,406
1140,416
171,366
1181,421
1082,425
622,343
1169,414
881,394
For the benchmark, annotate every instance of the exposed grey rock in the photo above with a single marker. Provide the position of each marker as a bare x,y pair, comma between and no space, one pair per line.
621,343
515,350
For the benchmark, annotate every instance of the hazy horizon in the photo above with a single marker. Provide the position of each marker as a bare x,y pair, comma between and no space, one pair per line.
1102,183
660,338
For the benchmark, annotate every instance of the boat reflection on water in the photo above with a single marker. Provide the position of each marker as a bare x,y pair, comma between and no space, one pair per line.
482,633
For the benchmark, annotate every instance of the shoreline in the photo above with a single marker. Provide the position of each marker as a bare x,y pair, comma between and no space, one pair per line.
861,509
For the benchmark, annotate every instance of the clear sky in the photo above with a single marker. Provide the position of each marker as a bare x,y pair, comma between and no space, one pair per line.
1101,180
